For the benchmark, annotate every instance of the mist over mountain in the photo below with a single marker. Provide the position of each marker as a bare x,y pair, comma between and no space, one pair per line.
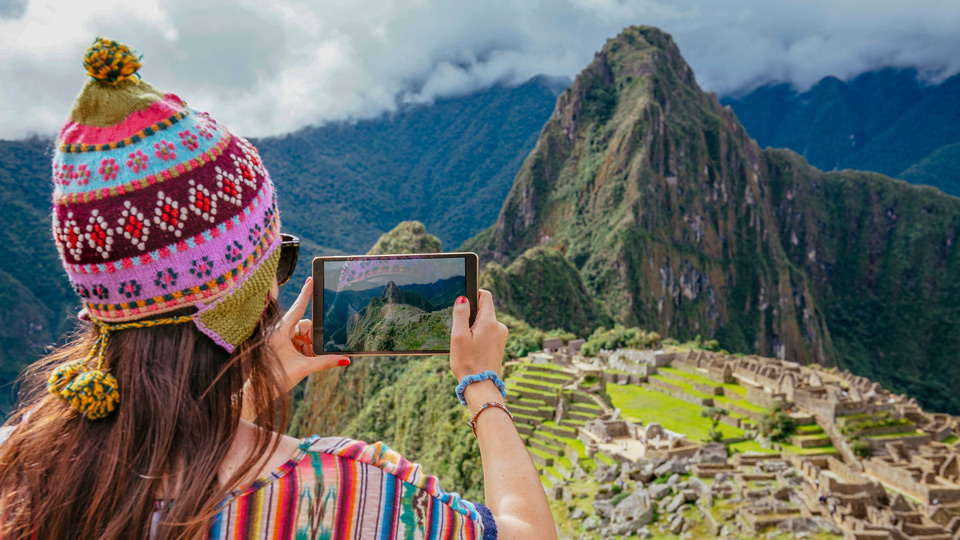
887,121
343,185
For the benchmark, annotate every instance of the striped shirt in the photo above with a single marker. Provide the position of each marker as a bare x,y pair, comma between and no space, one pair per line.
339,489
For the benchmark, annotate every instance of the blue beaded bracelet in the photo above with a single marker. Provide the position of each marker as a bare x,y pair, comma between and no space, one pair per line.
485,376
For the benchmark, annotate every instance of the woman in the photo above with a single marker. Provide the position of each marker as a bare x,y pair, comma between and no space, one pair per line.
141,425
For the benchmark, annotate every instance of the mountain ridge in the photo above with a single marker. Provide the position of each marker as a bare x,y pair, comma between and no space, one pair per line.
888,121
678,222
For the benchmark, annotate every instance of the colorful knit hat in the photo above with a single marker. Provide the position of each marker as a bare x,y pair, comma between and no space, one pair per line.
158,207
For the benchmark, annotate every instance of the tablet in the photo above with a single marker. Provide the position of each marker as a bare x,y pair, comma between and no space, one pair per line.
386,305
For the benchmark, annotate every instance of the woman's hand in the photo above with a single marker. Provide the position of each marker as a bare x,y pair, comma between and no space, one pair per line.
293,343
479,348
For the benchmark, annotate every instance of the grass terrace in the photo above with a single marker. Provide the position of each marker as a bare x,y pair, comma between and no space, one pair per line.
640,404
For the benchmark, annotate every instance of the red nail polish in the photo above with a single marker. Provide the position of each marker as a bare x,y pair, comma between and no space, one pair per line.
462,300
343,362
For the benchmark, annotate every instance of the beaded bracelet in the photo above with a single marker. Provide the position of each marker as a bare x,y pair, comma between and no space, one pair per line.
473,421
485,376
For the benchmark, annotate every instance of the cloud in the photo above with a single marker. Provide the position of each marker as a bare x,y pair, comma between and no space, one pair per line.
12,9
267,68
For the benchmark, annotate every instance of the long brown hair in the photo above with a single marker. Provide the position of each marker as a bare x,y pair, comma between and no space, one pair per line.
64,476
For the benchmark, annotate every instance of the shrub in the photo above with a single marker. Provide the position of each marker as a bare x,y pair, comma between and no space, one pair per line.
619,497
778,425
860,448
619,337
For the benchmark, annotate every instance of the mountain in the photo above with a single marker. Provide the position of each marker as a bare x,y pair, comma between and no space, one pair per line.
677,221
343,185
407,234
399,320
340,187
543,288
36,302
887,121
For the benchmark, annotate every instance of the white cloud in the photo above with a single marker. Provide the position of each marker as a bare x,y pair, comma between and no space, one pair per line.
271,67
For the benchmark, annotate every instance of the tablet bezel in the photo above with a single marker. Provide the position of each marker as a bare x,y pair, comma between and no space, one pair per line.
471,269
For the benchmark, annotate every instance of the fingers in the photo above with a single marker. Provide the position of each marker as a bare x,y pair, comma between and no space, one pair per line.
303,345
461,321
299,307
304,367
485,309
329,361
304,328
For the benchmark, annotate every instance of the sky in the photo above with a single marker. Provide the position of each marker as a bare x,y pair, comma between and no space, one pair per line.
268,68
363,274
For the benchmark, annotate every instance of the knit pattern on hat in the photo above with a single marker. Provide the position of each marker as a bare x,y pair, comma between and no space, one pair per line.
158,207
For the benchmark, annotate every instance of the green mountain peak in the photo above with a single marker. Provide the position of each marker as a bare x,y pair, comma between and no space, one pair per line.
406,237
676,221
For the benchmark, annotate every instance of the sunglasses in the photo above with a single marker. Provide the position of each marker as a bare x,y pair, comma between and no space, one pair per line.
289,252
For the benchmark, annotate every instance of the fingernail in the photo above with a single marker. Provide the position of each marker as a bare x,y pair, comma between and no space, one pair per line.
343,362
461,299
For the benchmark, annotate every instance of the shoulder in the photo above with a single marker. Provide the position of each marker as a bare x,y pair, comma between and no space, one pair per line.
379,460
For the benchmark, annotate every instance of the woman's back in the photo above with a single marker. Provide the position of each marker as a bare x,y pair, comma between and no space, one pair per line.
338,488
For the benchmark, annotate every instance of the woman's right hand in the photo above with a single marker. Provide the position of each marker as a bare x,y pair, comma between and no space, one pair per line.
479,348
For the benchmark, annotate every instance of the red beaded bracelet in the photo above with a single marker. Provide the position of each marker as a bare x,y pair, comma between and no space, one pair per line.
473,421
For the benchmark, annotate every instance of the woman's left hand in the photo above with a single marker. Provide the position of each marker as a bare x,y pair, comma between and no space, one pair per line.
293,342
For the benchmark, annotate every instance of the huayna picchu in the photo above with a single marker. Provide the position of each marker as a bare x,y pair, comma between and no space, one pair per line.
676,221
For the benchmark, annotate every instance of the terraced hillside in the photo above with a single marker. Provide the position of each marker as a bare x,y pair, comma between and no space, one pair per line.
676,398
537,392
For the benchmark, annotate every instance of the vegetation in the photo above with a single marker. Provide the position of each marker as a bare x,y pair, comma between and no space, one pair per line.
617,337
544,289
778,425
888,121
524,339
714,414
406,237
641,404
860,448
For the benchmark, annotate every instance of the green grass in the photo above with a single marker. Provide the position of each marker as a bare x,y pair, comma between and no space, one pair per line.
691,376
809,429
950,439
808,451
736,388
550,472
520,379
686,387
896,435
550,367
546,375
532,393
742,403
532,420
811,436
605,458
640,404
575,444
749,446
541,453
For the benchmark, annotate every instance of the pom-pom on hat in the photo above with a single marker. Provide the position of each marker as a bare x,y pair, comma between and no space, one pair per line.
158,207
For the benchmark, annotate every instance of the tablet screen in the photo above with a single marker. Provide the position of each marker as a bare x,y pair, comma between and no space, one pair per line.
390,303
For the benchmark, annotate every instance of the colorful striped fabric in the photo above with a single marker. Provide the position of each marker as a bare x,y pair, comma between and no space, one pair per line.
339,489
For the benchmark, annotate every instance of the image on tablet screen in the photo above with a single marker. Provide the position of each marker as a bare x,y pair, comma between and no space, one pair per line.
390,304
